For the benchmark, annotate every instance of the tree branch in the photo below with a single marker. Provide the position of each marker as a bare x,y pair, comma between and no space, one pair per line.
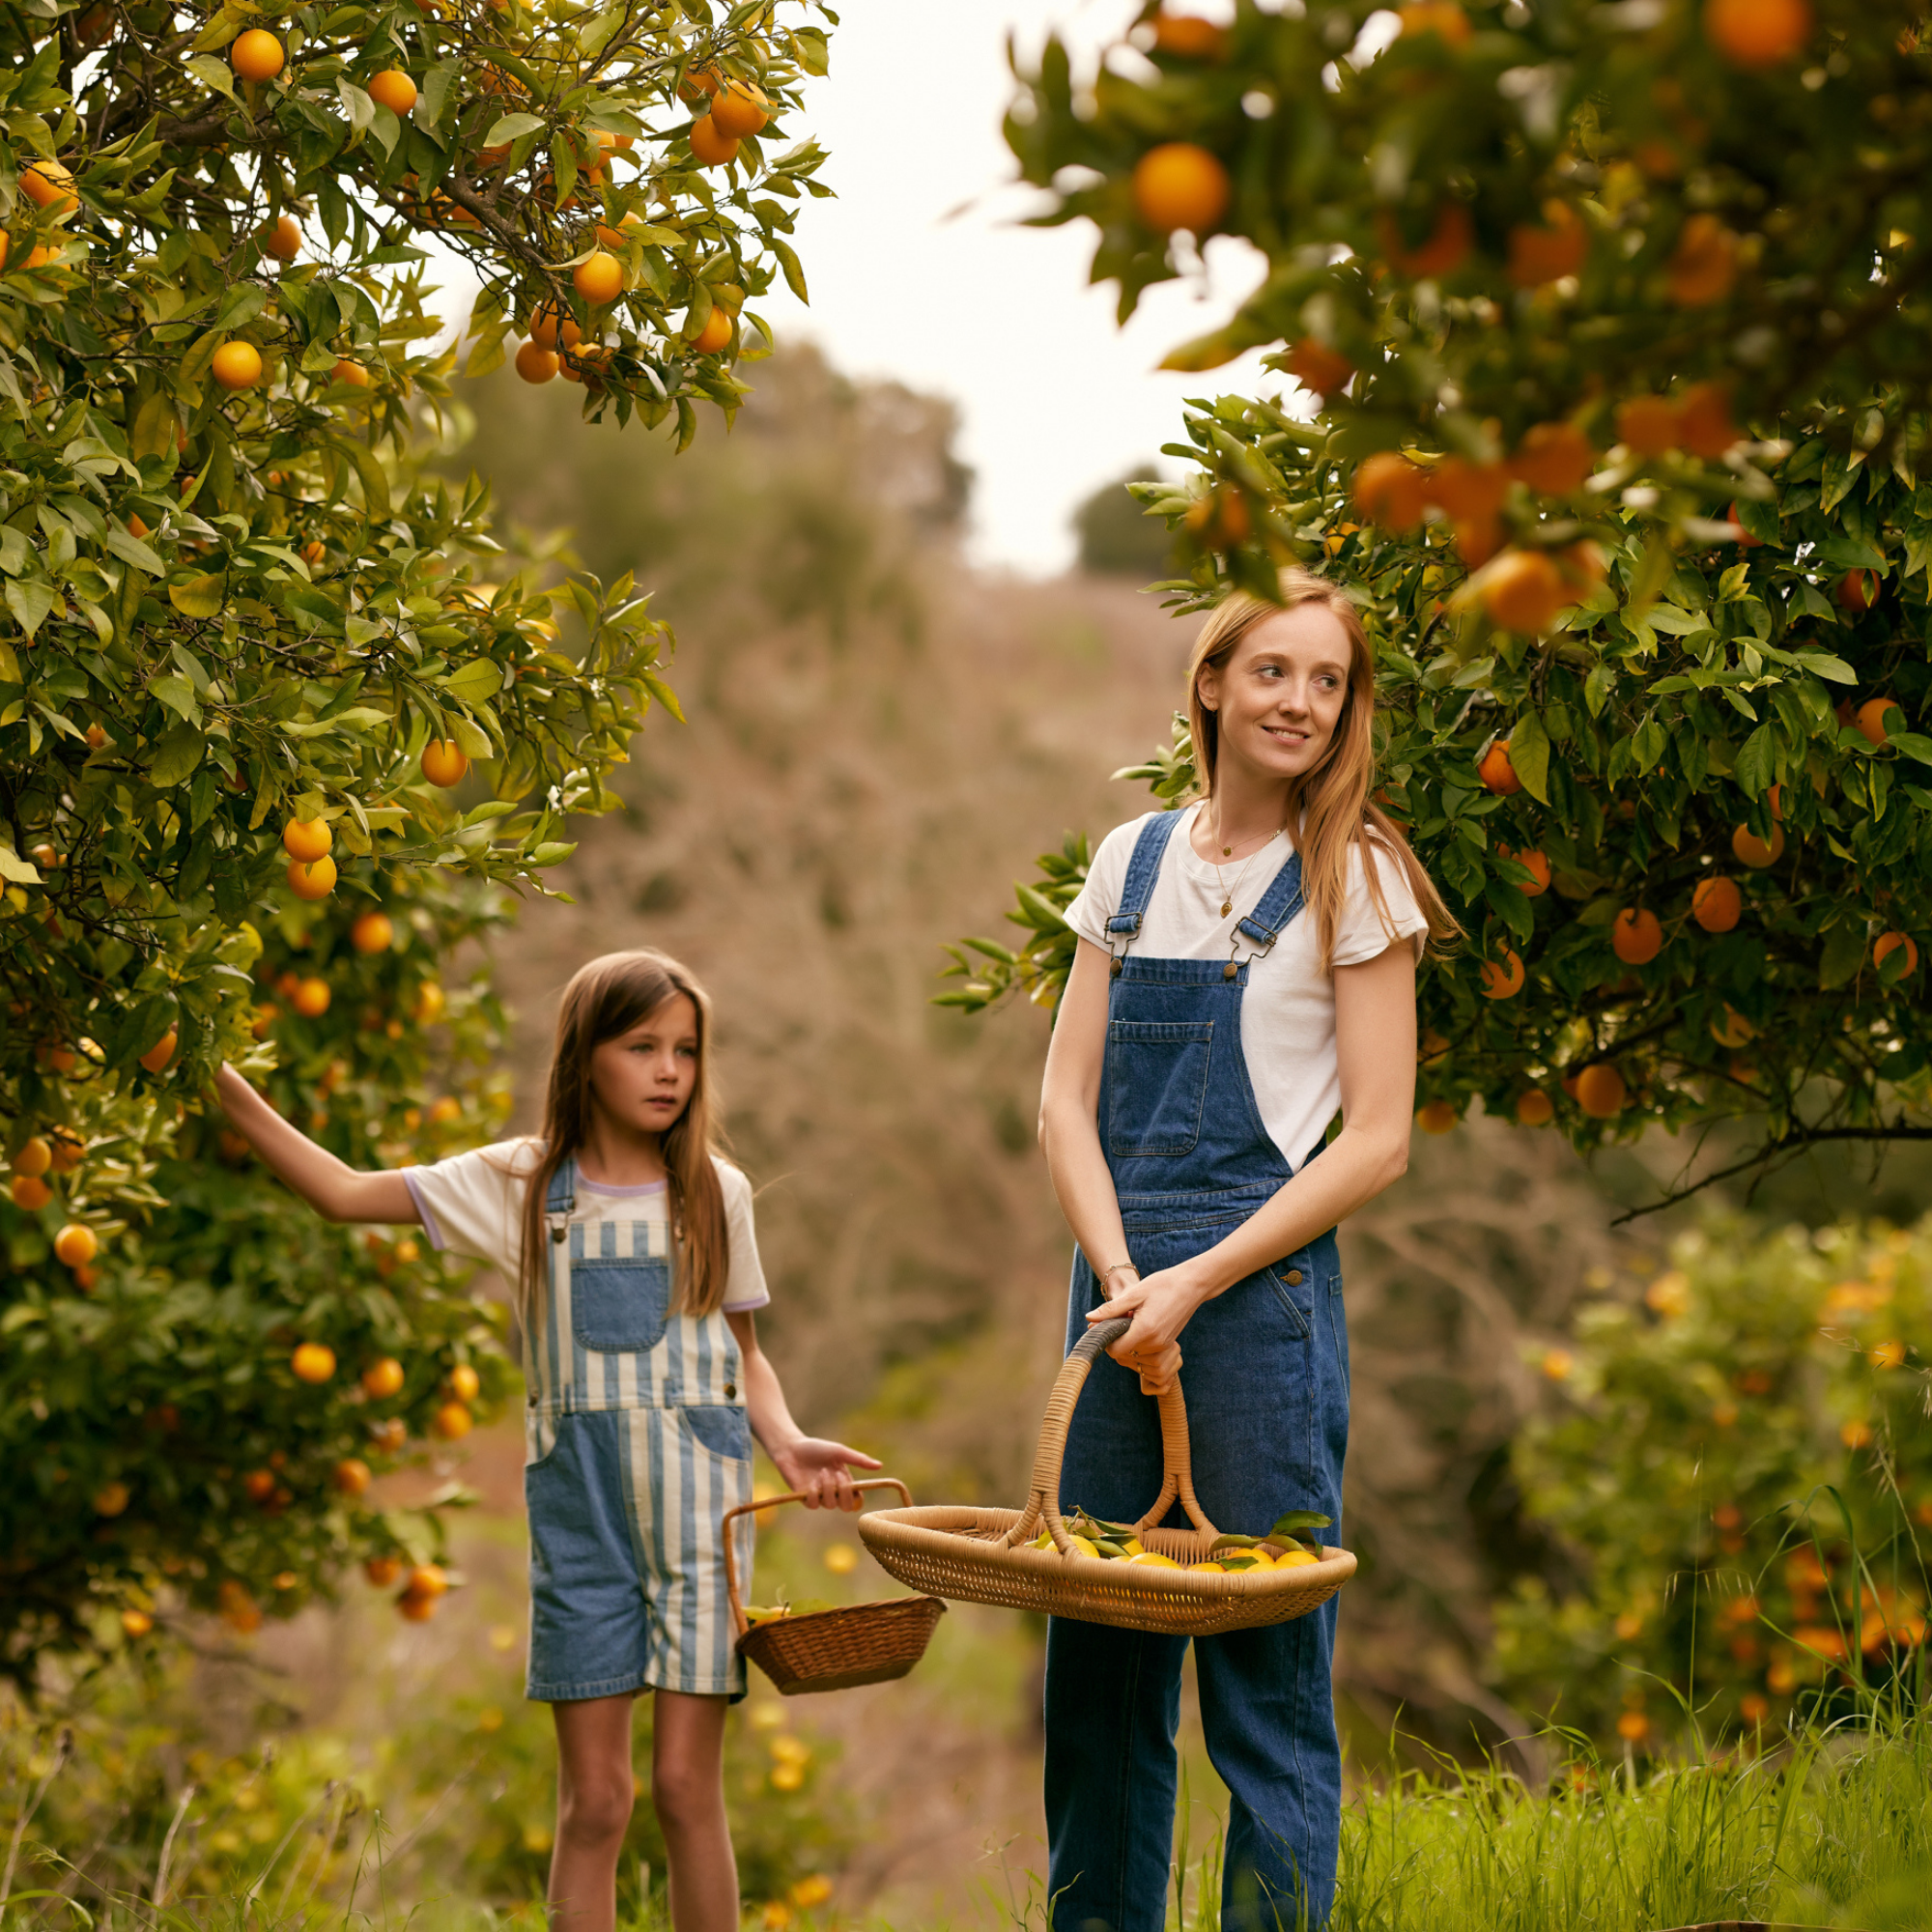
1785,1144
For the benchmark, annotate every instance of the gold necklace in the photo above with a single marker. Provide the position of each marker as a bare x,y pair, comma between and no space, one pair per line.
1228,896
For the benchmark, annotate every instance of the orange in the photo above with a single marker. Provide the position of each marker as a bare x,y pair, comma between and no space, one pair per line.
1871,717
67,1149
1758,33
1188,37
1441,253
1889,943
112,1498
699,83
313,1362
1635,936
465,1383
1534,1108
452,1421
383,1378
739,108
256,55
1753,851
1437,1117
599,278
1538,255
1601,1091
1704,425
314,881
307,839
137,1623
383,1571
259,1485
1315,368
386,1438
48,184
445,1109
394,90
430,1004
1469,490
284,240
1478,539
1525,591
417,1609
1220,519
238,365
1648,425
444,762
157,1056
1533,862
1496,771
619,237
373,933
348,370
535,364
714,335
1390,490
1703,266
31,1193
710,146
35,1158
1502,979
427,1580
1717,904
1857,591
311,999
1555,459
1442,17
97,736
351,1475
1179,185
1743,538
76,1244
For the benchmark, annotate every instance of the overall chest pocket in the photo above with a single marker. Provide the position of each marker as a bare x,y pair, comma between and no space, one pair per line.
1156,1084
620,1306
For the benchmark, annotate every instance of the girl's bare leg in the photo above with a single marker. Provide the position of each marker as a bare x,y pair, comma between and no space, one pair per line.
594,1791
688,1788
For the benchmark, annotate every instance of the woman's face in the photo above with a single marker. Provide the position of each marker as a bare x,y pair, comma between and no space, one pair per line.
1278,698
642,1080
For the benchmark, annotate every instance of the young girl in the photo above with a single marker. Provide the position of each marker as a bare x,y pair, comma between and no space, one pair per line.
630,1237
1246,967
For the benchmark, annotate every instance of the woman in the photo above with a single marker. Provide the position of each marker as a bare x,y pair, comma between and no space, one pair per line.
1246,967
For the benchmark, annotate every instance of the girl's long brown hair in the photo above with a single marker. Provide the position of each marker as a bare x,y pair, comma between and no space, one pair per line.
1332,802
604,1000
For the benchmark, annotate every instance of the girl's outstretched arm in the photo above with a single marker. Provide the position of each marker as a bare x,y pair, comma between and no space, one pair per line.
819,1470
332,1188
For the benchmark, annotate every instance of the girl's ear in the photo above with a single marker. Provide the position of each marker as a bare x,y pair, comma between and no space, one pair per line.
1208,688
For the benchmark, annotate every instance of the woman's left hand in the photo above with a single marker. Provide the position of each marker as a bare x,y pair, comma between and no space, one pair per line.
1161,1306
820,1472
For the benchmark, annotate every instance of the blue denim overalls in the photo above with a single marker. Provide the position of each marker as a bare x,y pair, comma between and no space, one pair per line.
1266,1374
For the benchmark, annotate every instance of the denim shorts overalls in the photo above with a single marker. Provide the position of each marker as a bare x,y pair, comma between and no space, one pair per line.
1266,1374
638,1443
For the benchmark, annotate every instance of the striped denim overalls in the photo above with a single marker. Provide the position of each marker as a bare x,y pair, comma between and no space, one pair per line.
638,1443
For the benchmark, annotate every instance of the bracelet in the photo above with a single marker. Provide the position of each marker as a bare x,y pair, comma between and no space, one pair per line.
1107,1275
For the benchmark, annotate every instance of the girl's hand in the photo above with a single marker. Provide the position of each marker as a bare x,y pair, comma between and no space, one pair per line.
820,1472
1161,1307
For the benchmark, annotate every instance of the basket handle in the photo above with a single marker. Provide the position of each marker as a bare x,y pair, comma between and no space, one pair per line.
738,1618
1177,1463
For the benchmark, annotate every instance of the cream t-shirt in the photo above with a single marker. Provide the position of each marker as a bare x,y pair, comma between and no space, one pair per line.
1287,1011
473,1204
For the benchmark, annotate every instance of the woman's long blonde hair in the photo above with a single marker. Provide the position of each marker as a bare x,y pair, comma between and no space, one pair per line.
1331,804
604,1000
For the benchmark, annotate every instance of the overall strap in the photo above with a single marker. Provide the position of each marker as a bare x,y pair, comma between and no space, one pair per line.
561,1199
1263,926
1142,870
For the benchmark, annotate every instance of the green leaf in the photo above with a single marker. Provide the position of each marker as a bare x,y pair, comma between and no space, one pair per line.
478,679
794,274
509,127
1296,1519
129,548
30,600
177,754
213,74
1757,762
1914,744
178,695
1530,753
1844,952
199,596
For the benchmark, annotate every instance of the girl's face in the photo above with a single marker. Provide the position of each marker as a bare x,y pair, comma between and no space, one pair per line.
642,1080
1278,697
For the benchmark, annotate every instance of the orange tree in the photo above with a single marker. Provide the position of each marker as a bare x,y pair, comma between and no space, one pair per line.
1616,326
249,654
1741,1466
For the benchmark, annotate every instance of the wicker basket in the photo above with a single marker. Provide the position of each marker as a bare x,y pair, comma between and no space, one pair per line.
984,1555
833,1650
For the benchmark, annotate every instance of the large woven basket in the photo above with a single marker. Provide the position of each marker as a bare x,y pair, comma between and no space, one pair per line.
984,1555
833,1650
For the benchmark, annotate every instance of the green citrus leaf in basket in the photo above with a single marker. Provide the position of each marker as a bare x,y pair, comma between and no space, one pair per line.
1232,1541
1110,1550
1297,1520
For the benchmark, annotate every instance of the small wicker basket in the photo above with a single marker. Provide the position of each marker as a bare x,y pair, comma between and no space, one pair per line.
984,1555
833,1650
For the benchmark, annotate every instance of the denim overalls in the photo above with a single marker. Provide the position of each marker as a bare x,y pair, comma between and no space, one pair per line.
638,1443
1266,1374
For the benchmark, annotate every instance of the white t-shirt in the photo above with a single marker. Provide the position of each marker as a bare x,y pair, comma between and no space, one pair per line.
1287,1010
473,1204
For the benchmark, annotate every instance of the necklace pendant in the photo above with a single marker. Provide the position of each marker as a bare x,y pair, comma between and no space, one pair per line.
1227,851
1227,906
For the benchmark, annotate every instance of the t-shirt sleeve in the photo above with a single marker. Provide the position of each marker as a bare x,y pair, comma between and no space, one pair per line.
472,1203
1365,932
1101,896
746,1288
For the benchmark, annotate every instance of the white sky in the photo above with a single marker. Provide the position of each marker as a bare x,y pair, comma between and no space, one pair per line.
1055,399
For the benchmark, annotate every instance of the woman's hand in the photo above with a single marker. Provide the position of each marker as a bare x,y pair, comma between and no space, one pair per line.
820,1472
1161,1306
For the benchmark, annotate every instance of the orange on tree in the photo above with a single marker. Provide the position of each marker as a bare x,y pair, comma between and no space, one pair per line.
445,1109
283,240
1180,185
619,237
256,55
157,1056
1321,370
1554,459
384,1377
1758,33
1601,1091
137,1623
312,880
392,89
112,1499
35,1156
1717,904
1442,17
373,933
1547,253
1704,425
387,1439
1467,489
1743,538
1221,520
714,335
76,1244
1536,863
1391,489
307,839
416,1607
383,1571
1857,591
452,1421
1525,591
710,146
465,1384
50,184
1436,1117
1636,937
67,1148
428,1579
351,1475
1188,37
1534,1108
1442,253
430,1000
739,108
1496,771
699,83
311,998
1889,943
237,366
30,1193
444,762
348,370
1871,717
1648,425
1502,979
313,1362
1703,266
1755,852
536,364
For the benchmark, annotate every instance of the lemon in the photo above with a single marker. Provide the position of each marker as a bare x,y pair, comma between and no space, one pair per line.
1297,1559
1133,1546
1154,1558
1210,1564
1084,1547
1043,1540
